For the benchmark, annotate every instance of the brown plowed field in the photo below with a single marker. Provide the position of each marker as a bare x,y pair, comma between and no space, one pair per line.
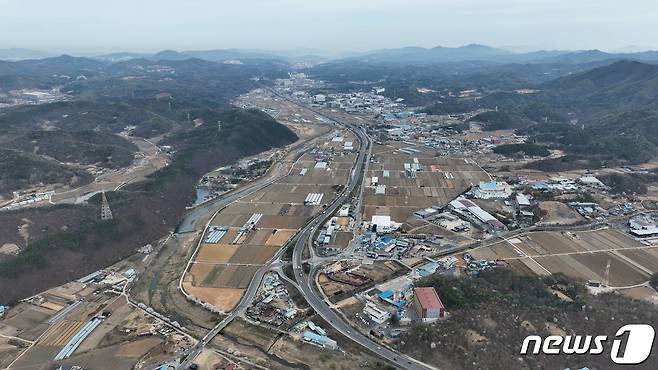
252,254
223,298
216,253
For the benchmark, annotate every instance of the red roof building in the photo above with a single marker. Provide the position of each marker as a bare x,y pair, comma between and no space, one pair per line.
427,304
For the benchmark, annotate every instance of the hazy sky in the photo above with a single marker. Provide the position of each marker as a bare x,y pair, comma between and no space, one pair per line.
338,25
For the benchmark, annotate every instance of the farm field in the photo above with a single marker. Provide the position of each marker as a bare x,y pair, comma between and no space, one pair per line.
439,180
582,255
113,341
558,213
258,225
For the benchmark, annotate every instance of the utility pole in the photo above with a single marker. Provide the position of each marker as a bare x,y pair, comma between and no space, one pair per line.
606,275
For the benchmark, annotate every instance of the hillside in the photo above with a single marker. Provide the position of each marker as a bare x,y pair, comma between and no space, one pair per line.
143,211
243,133
154,98
21,170
608,114
177,101
614,138
82,147
404,79
61,65
624,83
85,115
475,52
438,54
495,120
476,336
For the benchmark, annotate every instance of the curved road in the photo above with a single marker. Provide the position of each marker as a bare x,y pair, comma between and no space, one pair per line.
305,285
299,242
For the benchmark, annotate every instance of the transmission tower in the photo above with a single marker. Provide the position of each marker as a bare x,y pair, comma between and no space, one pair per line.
106,212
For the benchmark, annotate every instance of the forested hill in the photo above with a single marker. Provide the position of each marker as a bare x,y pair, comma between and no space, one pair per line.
625,83
172,102
608,114
143,211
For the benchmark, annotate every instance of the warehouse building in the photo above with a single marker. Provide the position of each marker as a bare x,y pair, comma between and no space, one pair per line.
643,227
466,207
320,340
383,224
522,201
376,314
427,305
425,213
492,190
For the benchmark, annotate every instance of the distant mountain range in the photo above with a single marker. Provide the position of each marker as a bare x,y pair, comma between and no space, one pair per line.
415,54
217,55
21,53
406,55
476,52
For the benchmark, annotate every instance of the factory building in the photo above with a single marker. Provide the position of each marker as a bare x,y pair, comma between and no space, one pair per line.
427,305
492,190
425,213
592,182
643,227
466,207
522,201
320,340
383,224
375,313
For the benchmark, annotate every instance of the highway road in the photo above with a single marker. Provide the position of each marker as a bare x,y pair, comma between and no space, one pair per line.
299,242
305,283
304,238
